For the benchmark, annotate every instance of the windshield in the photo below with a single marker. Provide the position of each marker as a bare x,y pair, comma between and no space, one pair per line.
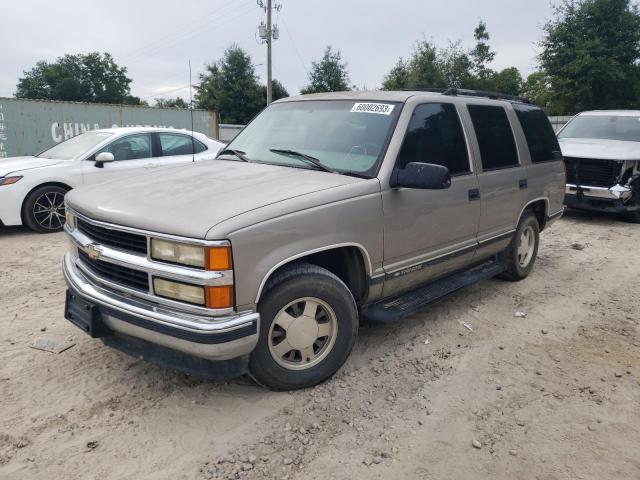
607,127
75,146
343,135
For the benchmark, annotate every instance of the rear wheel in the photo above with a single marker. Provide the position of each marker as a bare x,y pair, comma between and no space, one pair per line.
43,209
308,326
521,254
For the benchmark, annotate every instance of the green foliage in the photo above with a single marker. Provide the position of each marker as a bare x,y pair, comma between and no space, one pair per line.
177,102
328,75
590,53
231,87
537,88
482,54
453,67
277,91
93,77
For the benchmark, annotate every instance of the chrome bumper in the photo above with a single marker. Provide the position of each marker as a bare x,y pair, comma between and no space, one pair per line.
212,338
616,192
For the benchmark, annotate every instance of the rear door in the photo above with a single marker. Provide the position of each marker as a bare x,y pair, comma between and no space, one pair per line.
428,233
502,178
178,148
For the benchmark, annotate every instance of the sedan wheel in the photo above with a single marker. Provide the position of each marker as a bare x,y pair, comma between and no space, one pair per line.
43,209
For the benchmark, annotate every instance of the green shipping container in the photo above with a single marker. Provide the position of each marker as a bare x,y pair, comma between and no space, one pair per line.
28,127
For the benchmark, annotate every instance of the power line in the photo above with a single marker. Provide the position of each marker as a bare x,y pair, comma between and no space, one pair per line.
173,39
295,47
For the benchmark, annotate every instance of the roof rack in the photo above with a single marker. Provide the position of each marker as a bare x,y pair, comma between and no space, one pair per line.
479,93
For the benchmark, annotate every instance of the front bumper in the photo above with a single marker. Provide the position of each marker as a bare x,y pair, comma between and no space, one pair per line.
211,338
598,199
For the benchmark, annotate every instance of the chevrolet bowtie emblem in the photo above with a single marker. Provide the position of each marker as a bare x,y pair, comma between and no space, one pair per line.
92,250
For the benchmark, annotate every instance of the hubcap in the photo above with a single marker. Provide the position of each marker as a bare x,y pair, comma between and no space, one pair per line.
526,247
48,210
303,333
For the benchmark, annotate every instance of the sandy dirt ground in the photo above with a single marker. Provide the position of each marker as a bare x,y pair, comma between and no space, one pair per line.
551,395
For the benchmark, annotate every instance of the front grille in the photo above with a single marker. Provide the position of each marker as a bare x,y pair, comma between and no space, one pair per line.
130,242
127,277
592,172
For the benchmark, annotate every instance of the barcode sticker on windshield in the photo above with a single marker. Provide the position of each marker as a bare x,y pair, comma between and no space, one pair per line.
379,108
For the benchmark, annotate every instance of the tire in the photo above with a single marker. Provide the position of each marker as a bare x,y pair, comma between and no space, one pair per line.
43,209
518,264
299,356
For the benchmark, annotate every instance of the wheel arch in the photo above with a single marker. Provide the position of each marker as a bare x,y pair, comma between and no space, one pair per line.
540,207
348,261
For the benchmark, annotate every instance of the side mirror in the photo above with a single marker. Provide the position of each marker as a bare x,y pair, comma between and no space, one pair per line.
426,176
102,158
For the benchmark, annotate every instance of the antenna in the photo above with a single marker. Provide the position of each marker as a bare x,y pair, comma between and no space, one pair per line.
193,143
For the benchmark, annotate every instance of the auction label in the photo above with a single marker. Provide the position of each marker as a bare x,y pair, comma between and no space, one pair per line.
379,108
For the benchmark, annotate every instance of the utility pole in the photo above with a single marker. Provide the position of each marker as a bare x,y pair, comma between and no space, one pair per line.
269,41
268,33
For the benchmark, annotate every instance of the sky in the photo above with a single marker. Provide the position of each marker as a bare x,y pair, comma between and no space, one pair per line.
155,39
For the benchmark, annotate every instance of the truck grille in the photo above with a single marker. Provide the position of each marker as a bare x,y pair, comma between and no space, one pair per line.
592,172
114,238
115,273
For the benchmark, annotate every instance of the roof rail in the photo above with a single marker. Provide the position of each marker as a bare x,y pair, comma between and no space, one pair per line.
479,93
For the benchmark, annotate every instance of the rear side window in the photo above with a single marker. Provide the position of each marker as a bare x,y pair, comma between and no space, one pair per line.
541,139
495,138
173,144
435,136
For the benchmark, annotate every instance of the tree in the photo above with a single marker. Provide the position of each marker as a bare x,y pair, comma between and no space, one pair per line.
177,102
507,81
482,54
231,87
277,91
456,66
537,88
329,74
93,77
398,77
590,52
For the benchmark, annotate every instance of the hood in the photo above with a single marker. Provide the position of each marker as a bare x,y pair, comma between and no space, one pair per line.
17,164
188,200
600,148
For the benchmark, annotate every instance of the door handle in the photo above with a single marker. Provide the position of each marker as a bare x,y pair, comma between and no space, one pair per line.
522,183
474,194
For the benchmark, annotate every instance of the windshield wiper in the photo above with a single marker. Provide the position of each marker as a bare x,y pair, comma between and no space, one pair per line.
238,153
303,156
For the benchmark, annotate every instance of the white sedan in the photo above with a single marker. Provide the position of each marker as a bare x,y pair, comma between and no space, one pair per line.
32,189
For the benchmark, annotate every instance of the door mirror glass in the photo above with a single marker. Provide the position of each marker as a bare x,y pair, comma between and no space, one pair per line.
427,176
102,158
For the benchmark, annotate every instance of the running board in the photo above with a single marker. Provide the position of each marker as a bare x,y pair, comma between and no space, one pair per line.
398,307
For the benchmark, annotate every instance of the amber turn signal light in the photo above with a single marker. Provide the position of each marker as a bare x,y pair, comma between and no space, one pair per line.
220,297
219,258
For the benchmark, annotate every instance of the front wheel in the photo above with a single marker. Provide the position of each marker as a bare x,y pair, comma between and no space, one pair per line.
308,326
43,209
521,254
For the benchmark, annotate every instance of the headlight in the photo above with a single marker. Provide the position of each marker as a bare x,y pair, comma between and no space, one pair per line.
174,252
209,258
179,291
211,297
70,218
9,180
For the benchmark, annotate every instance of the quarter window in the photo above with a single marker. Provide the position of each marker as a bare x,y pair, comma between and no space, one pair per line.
131,147
173,144
435,136
495,138
542,141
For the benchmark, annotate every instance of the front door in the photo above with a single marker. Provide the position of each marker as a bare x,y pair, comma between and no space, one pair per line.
133,155
429,233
